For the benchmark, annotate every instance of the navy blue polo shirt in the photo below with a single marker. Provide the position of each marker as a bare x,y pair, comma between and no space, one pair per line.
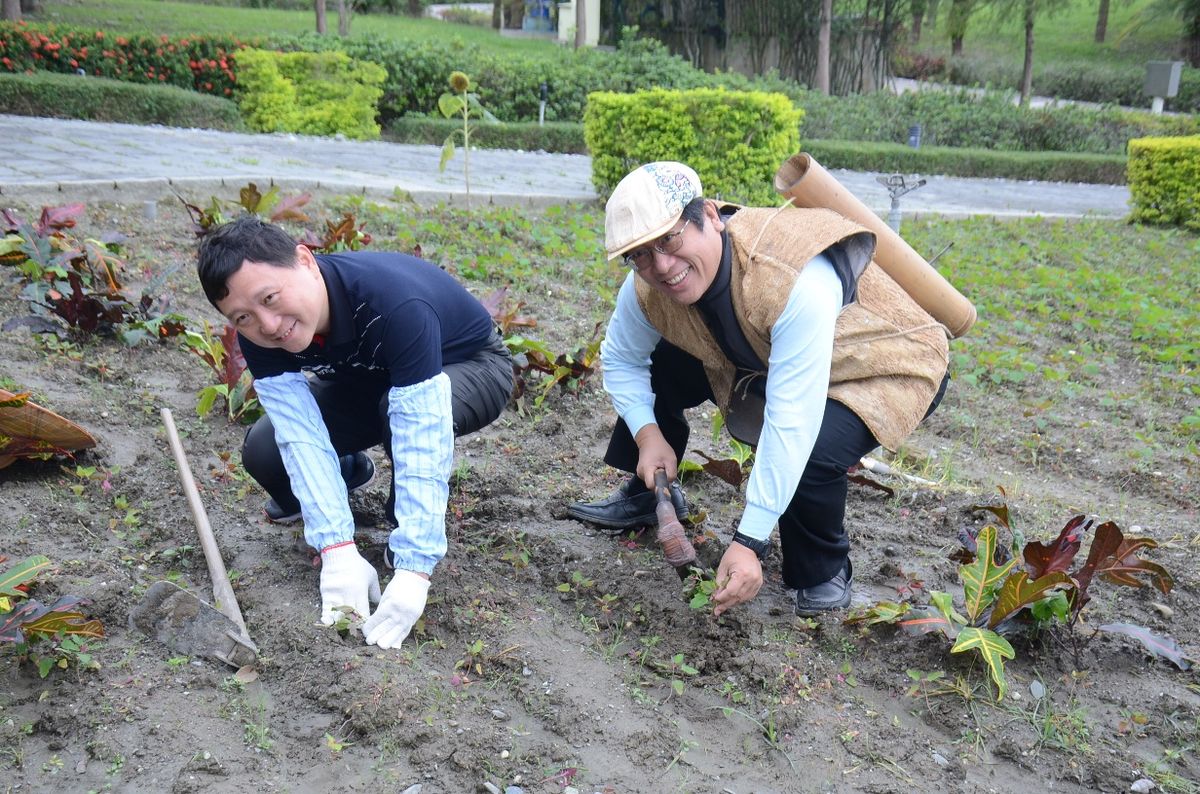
387,312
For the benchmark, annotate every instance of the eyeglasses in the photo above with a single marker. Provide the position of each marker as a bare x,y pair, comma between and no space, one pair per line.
669,243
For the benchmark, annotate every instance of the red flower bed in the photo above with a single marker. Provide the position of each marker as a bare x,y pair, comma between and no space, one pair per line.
200,63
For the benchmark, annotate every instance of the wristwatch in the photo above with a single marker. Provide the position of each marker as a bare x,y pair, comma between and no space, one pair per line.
759,547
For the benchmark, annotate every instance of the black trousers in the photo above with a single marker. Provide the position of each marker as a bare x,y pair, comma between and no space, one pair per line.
355,411
812,532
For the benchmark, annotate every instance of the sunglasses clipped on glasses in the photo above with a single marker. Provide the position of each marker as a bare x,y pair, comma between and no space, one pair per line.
669,243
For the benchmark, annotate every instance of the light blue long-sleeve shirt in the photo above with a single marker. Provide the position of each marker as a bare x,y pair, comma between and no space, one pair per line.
422,454
797,384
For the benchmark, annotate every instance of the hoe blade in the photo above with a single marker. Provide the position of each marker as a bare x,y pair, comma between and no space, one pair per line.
184,623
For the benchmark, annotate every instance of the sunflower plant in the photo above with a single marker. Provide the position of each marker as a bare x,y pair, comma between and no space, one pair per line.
461,101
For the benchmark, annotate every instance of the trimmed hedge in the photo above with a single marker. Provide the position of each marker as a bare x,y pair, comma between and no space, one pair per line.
314,93
735,140
99,99
202,63
1085,81
1164,181
962,119
564,137
1101,169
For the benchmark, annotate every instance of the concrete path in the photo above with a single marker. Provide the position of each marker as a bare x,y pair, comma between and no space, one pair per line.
49,160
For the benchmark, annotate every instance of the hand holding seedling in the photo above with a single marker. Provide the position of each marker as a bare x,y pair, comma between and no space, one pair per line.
740,575
346,580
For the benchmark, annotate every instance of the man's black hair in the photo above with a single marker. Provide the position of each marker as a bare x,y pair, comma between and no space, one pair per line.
694,212
246,239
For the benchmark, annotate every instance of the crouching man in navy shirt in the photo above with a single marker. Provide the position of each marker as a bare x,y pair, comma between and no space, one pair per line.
403,356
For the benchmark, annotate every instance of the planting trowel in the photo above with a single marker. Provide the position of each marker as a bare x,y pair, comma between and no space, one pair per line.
179,619
671,534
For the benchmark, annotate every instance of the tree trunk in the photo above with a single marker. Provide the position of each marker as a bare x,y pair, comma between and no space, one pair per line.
497,15
956,24
12,10
322,28
1102,22
824,33
1027,73
1191,42
343,18
581,24
918,16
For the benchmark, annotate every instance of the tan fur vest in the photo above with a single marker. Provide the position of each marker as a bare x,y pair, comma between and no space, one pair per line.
889,355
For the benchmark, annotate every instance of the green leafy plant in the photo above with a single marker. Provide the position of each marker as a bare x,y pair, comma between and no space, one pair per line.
50,636
234,383
1001,597
568,371
78,281
461,102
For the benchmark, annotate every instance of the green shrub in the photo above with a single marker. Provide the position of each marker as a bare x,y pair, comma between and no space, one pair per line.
735,140
1104,169
99,99
565,137
962,119
202,63
1164,181
510,84
468,16
311,93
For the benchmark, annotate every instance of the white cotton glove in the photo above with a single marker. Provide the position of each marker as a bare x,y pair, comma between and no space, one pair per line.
402,604
346,580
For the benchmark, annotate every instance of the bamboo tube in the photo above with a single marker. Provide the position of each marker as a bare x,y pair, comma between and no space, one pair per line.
802,179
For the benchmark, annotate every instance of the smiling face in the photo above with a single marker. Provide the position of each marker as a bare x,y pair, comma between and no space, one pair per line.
276,306
685,275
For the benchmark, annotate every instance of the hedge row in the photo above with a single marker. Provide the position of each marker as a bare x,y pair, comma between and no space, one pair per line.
101,99
564,137
1103,169
1164,181
1084,81
201,63
964,119
509,85
734,139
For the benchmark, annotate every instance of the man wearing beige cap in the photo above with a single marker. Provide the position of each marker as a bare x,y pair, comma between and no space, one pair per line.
813,354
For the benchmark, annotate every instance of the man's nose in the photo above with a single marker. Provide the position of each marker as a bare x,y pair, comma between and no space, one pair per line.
269,323
662,262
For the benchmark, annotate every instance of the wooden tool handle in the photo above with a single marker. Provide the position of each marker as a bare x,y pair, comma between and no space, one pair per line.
223,595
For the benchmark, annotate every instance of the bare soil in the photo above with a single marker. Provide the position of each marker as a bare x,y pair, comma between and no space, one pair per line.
545,658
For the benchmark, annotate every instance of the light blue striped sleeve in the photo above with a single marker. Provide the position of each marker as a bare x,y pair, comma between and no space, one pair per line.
797,387
309,457
422,423
625,351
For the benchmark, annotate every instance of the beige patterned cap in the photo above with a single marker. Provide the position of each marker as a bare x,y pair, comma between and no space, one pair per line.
646,204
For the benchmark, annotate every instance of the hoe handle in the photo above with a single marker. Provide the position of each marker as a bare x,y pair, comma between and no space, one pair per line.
223,595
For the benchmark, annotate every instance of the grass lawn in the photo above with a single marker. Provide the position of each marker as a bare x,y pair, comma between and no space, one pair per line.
1137,32
176,19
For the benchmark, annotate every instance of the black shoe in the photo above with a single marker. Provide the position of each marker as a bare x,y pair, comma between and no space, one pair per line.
358,470
834,594
622,511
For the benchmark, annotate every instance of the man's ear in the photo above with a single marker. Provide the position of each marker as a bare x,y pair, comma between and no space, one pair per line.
712,216
305,258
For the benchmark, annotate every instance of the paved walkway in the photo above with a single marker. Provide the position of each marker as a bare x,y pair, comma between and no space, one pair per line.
48,160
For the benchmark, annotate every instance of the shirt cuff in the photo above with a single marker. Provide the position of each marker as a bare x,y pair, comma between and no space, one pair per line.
638,417
757,522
